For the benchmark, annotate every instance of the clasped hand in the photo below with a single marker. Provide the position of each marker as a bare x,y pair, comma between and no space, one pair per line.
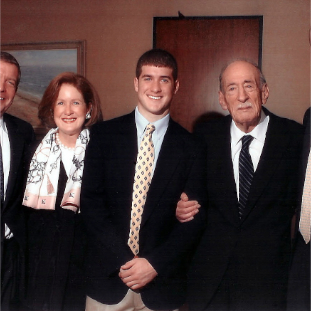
137,273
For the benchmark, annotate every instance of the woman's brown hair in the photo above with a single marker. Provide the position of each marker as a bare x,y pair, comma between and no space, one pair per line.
50,95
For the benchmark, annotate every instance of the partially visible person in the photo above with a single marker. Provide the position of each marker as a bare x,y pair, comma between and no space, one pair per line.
56,241
16,137
299,281
242,261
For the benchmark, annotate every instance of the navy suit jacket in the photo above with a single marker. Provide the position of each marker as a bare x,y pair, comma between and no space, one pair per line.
106,198
254,251
21,136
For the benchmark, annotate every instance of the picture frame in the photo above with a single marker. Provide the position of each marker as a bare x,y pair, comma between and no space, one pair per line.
40,62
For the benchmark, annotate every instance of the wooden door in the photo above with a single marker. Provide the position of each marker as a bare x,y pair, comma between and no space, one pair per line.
202,46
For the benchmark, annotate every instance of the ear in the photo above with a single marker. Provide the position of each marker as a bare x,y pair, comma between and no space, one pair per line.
176,86
90,108
264,93
222,101
136,84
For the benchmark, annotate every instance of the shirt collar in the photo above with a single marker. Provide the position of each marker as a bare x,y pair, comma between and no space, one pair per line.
2,125
259,132
160,125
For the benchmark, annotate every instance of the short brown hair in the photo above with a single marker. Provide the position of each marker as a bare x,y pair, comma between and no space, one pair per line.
10,59
158,58
50,95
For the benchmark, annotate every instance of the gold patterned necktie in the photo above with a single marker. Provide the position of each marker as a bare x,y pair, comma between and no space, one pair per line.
305,216
142,180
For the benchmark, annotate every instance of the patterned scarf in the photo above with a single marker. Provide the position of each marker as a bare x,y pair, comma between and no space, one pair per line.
43,175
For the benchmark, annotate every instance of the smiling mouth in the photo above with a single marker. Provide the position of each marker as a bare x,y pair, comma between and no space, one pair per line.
1,98
155,97
69,120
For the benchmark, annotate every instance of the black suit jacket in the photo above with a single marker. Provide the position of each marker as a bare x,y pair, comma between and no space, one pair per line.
21,135
253,251
106,207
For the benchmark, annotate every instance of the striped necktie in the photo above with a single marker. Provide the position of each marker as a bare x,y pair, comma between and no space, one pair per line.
246,172
1,178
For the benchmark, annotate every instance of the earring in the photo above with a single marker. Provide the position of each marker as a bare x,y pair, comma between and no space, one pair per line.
88,116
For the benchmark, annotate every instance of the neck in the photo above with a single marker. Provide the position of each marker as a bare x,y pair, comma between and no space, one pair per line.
68,141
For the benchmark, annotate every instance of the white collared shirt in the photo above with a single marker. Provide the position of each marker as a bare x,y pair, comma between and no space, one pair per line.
255,147
157,136
6,160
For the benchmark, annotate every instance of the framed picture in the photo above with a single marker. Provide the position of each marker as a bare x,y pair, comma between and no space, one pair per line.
40,63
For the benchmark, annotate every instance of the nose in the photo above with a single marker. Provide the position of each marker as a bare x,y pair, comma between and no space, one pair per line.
68,109
242,94
156,86
2,85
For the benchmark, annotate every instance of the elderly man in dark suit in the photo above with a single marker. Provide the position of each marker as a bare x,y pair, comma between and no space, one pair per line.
15,138
299,280
122,274
252,163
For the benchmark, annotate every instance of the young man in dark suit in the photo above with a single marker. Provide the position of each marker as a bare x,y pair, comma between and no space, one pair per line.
15,138
150,275
253,156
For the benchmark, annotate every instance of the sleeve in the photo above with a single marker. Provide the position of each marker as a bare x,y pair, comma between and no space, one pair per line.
178,249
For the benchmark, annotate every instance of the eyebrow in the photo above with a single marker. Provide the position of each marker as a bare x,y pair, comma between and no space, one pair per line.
245,81
146,75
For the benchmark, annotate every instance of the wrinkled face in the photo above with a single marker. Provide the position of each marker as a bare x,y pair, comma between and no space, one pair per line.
69,111
242,95
8,80
155,88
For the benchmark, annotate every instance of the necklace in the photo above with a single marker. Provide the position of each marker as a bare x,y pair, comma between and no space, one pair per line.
61,144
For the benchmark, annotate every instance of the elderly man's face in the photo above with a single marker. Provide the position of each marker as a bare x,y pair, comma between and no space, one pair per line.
8,80
242,95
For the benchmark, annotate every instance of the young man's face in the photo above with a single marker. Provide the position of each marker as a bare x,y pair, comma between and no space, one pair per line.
8,81
155,88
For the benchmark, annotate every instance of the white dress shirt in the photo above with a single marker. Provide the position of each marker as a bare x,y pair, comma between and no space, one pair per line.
255,147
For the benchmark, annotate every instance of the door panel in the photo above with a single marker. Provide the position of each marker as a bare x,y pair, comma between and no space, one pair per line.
202,46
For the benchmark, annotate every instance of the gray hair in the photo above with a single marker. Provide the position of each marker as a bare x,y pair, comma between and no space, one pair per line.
262,78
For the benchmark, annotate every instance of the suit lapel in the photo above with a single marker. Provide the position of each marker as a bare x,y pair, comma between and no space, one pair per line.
273,151
169,158
223,179
17,149
126,146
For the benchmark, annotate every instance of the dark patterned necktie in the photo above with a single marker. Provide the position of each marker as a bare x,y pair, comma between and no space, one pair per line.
1,178
142,180
246,172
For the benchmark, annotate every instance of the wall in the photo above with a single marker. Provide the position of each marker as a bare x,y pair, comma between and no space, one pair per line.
117,32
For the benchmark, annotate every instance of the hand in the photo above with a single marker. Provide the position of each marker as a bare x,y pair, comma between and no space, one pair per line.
137,273
186,209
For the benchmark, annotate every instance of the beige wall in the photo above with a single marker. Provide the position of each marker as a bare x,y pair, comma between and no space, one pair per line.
117,32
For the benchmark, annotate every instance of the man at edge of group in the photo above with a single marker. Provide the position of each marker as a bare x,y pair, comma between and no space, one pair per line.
15,138
299,278
242,260
150,274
